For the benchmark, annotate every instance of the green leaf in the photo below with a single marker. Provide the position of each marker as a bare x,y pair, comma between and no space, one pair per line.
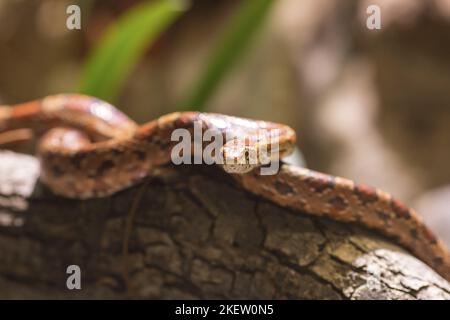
123,45
238,34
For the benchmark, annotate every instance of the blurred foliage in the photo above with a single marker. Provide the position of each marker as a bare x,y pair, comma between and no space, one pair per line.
123,45
237,36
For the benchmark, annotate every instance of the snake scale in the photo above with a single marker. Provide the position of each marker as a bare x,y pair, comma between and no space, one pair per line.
89,149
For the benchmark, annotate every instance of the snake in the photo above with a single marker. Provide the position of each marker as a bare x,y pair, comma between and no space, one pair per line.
88,148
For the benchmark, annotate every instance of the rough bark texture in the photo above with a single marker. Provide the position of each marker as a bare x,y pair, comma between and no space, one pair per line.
194,234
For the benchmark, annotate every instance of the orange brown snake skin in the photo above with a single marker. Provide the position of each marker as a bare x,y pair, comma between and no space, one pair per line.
121,154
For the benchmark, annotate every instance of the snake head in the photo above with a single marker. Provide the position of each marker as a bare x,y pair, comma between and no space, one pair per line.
239,157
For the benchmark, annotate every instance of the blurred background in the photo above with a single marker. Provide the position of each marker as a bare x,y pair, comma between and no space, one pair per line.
369,105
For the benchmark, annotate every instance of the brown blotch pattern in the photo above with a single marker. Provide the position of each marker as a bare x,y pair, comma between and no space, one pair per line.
383,216
283,187
141,155
57,171
320,183
338,203
104,166
400,209
365,193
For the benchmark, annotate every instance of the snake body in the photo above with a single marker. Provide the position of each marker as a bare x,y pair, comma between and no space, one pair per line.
90,149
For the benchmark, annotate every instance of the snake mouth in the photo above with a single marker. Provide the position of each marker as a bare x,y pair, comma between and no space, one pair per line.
238,168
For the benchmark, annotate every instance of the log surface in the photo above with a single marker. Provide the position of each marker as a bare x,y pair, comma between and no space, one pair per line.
190,232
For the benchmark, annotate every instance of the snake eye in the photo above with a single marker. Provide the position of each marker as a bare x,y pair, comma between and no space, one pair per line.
246,156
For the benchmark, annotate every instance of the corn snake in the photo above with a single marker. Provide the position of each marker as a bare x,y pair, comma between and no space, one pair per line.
90,149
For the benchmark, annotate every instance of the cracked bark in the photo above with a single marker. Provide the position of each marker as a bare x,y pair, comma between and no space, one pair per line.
194,234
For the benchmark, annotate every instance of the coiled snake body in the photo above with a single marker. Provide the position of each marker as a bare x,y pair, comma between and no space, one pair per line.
90,149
